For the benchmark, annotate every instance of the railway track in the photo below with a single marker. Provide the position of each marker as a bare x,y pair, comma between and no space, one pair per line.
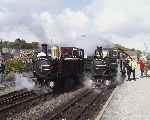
80,107
5,96
18,101
13,99
104,108
59,111
91,111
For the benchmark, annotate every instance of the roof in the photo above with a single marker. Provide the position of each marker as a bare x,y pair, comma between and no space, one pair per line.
131,53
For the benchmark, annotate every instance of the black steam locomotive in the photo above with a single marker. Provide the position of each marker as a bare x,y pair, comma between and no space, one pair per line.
58,67
105,64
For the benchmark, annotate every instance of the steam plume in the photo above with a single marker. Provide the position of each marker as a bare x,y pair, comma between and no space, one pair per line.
23,82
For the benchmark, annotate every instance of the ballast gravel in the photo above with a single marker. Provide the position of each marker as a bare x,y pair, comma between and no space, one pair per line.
43,108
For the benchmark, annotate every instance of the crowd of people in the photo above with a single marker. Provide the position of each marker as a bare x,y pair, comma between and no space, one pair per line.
129,65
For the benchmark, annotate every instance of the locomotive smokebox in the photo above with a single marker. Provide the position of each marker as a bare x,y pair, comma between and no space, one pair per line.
45,49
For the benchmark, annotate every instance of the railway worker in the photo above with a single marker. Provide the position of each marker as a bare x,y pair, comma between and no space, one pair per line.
2,70
133,66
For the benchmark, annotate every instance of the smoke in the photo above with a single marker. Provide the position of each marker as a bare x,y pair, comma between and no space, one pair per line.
87,81
90,84
66,29
64,22
23,82
38,22
89,46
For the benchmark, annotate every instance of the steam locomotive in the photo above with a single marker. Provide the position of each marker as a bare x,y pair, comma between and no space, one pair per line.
105,65
58,67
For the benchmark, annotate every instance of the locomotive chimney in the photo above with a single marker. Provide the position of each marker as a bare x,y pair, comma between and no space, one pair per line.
45,49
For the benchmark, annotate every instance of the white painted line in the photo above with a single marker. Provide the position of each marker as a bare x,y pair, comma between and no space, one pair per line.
100,115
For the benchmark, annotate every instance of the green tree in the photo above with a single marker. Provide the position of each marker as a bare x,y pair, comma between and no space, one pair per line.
19,43
118,46
139,53
148,57
15,65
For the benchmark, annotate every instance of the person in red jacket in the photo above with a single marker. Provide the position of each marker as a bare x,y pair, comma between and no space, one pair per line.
142,65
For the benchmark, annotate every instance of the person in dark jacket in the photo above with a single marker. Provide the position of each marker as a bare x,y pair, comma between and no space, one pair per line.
123,64
2,70
129,69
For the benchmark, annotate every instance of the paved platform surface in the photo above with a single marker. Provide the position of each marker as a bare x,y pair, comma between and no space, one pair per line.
131,101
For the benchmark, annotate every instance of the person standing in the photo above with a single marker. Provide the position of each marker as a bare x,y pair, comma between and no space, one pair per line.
129,69
133,66
122,63
142,65
2,70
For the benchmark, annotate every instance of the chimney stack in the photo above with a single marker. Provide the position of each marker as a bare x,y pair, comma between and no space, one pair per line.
45,49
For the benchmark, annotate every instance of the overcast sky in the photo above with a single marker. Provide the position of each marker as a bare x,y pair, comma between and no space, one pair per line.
77,22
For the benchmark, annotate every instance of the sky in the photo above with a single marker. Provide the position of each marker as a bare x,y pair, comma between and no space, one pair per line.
83,23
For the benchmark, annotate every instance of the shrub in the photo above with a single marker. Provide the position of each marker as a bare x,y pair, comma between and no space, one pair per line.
147,65
10,76
15,65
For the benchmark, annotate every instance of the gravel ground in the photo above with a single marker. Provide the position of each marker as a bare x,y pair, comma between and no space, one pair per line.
130,102
41,109
6,90
10,86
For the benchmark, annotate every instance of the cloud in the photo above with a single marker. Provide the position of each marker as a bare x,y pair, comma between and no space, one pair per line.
122,15
19,18
54,22
127,21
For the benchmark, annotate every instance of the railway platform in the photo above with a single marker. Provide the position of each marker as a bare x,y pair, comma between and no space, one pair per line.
130,101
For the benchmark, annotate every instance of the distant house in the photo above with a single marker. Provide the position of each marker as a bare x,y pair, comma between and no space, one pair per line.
5,50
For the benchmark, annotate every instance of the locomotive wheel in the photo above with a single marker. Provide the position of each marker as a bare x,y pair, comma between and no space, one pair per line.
51,84
39,83
108,82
